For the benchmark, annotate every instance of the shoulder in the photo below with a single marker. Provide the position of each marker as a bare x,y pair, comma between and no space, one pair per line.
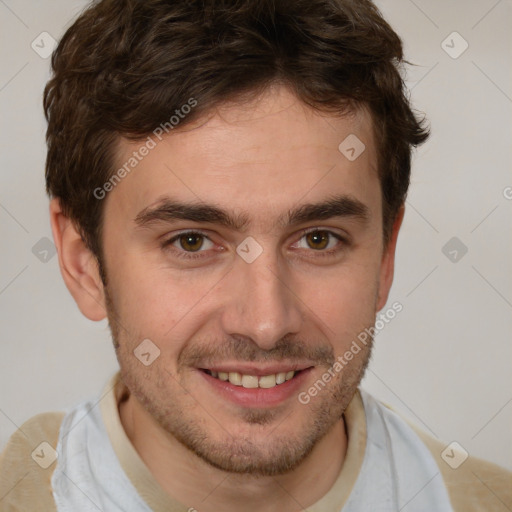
27,463
473,484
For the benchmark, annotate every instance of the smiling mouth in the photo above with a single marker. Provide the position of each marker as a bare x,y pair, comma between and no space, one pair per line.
253,381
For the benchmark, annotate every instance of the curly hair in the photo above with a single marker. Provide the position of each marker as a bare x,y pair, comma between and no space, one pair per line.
125,66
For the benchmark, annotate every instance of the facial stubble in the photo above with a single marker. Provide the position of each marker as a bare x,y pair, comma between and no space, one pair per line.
187,420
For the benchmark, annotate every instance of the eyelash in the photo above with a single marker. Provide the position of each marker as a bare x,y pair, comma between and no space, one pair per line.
188,255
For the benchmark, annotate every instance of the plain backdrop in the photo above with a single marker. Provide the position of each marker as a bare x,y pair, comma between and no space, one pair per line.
444,361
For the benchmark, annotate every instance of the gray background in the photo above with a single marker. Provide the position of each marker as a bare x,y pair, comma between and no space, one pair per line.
444,361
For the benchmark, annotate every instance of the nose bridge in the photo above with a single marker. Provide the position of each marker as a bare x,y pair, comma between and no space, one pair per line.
261,303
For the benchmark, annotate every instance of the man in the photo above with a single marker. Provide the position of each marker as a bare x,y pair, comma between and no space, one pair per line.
228,183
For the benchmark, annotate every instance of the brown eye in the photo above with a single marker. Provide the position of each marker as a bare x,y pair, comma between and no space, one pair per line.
318,239
321,242
191,241
189,244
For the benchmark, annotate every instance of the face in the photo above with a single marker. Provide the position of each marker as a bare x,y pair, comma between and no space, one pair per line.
246,248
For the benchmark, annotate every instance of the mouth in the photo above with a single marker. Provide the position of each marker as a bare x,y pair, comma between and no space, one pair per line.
253,381
256,387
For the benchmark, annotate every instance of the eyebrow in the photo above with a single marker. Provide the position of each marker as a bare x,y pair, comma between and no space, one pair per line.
168,210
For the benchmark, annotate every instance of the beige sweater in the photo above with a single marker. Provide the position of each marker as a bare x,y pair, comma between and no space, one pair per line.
475,486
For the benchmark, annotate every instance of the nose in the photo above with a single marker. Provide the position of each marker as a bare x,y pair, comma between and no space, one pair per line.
261,303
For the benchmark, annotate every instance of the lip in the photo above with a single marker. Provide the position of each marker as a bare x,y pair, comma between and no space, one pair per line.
256,397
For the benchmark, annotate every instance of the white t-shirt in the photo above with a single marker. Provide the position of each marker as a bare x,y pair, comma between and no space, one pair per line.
397,473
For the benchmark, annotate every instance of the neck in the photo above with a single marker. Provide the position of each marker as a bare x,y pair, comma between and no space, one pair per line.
193,482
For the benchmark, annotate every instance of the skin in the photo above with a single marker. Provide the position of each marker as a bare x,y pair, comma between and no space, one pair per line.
290,306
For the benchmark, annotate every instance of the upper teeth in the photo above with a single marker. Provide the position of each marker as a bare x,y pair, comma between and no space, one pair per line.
253,381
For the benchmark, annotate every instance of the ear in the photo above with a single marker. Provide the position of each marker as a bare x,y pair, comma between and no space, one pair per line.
78,265
387,268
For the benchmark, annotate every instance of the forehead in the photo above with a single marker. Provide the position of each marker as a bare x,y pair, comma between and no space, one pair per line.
266,156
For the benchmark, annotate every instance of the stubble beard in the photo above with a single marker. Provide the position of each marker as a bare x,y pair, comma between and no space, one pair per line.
278,452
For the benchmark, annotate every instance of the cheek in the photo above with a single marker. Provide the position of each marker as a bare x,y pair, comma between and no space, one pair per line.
345,299
162,305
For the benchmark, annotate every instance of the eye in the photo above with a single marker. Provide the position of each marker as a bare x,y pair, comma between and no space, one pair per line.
186,243
191,244
323,241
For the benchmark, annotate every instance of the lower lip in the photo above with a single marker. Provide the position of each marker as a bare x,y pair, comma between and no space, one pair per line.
257,397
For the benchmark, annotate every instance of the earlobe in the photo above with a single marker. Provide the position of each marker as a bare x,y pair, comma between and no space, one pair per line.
78,265
387,268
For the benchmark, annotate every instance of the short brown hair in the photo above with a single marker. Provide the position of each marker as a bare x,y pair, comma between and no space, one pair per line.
125,66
